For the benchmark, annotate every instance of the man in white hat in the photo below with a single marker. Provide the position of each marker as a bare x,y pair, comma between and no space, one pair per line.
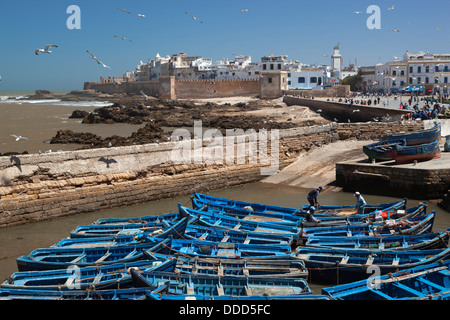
360,203
310,215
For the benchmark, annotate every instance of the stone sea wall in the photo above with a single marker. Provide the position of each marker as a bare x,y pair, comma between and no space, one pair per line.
38,187
395,182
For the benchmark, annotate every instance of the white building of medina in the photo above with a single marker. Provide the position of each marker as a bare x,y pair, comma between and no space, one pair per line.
183,67
426,72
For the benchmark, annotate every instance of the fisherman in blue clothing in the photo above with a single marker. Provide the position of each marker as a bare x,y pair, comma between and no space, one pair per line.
360,203
313,197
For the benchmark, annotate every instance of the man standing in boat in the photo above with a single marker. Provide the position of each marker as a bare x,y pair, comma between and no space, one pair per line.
360,203
313,197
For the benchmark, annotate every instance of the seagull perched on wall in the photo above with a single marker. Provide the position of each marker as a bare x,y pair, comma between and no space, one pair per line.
123,38
19,137
123,10
45,50
194,18
98,61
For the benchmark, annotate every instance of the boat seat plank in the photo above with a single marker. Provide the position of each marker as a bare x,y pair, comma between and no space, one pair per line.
98,277
344,260
370,261
105,256
189,289
78,259
220,291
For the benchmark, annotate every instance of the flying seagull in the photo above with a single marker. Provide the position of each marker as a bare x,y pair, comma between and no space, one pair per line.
244,10
391,8
123,10
194,18
45,50
141,15
123,38
98,61
19,137
395,30
357,12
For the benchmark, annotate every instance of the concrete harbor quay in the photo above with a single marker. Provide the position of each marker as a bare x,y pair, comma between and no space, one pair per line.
421,180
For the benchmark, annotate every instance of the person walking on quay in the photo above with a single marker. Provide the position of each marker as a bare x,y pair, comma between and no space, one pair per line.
313,196
360,203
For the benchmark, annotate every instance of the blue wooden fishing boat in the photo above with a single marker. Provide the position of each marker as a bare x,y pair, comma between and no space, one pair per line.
114,276
322,212
395,242
159,228
426,282
273,268
148,219
209,249
417,225
325,220
383,150
176,230
198,232
422,152
221,221
332,265
63,258
417,137
156,295
211,285
111,294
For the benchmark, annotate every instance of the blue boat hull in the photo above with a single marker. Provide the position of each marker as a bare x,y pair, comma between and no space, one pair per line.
427,282
338,266
418,137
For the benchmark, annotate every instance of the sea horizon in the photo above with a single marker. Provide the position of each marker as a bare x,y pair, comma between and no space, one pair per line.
29,92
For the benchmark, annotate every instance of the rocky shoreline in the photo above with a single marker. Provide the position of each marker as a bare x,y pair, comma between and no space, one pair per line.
161,117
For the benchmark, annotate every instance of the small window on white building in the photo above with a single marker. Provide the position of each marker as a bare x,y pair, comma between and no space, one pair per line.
301,80
313,80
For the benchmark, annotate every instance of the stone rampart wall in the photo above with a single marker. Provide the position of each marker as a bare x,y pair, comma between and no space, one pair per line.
37,187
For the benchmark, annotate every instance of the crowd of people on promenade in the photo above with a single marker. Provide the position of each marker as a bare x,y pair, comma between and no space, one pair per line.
422,107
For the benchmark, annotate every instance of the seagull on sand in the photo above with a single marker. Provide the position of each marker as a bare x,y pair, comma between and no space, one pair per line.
123,38
194,18
123,10
143,95
98,61
45,50
19,137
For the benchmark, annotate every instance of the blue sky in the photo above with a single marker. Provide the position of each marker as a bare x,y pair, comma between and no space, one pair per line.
303,30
